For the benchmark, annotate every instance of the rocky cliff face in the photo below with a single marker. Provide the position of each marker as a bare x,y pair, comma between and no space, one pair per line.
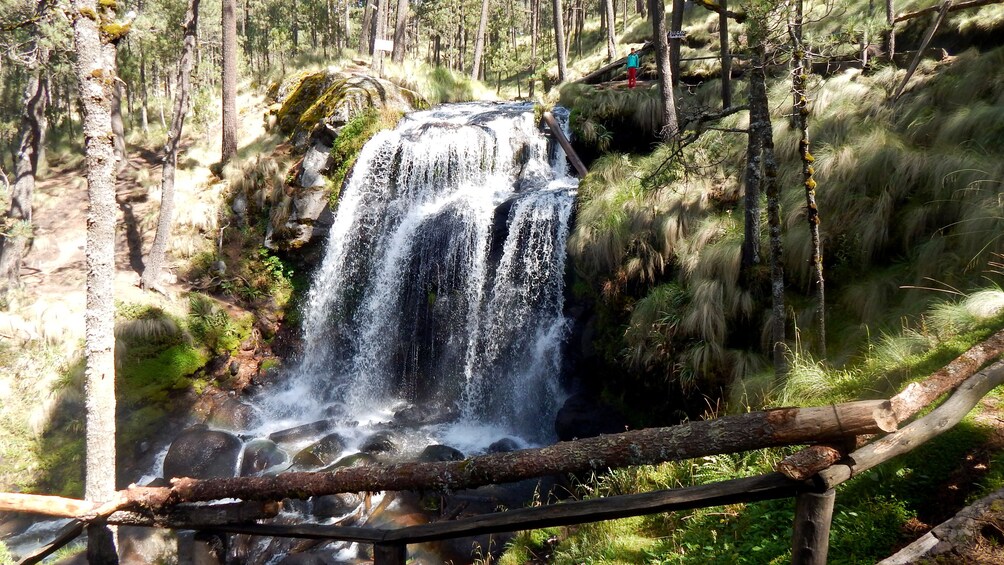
312,109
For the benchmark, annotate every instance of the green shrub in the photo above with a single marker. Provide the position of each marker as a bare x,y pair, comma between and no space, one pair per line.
213,327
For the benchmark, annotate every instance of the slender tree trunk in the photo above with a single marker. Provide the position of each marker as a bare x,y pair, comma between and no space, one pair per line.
534,32
229,22
559,41
726,56
890,34
155,260
16,227
401,31
95,70
118,126
776,260
479,42
295,25
380,33
641,8
611,19
754,149
366,31
143,93
801,112
676,26
670,126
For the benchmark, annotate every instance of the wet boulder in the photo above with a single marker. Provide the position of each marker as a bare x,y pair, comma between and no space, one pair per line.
583,416
305,431
415,415
440,453
334,505
260,454
320,453
231,414
201,453
504,445
354,460
384,441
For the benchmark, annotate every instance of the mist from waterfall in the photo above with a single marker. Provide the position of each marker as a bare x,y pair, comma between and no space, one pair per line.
443,279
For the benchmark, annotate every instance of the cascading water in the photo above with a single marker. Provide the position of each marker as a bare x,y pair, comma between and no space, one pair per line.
443,278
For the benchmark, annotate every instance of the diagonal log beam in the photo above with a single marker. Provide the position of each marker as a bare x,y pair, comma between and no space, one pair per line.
940,419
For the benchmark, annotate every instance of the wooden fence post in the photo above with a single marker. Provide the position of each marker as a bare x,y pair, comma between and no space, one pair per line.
390,553
811,538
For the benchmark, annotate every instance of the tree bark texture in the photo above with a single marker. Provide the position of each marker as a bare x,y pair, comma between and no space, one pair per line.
479,42
890,32
779,348
16,227
918,395
559,41
95,70
229,23
807,462
759,120
811,538
366,30
800,70
401,31
155,260
940,419
379,32
726,56
675,26
670,127
608,6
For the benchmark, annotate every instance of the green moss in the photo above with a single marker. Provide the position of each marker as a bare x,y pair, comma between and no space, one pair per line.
352,138
149,375
303,96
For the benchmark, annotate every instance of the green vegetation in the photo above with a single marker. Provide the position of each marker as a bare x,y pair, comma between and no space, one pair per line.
350,142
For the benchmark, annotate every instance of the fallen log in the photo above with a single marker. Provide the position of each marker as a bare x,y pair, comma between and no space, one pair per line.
940,419
934,9
916,396
952,534
646,48
803,464
728,434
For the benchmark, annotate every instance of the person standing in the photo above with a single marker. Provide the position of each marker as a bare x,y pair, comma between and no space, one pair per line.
632,68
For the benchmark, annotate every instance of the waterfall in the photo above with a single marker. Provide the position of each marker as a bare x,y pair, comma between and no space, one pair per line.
443,278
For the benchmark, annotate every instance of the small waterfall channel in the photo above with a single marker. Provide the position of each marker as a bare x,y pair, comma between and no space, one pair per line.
443,280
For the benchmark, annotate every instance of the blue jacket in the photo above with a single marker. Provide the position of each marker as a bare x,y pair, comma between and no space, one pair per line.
632,60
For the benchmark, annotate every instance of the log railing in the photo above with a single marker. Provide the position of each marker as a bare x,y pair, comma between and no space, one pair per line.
809,475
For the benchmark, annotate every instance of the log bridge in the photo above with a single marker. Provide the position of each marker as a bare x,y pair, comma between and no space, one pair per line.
810,475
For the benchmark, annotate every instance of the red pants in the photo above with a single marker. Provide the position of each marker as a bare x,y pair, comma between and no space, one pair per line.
632,76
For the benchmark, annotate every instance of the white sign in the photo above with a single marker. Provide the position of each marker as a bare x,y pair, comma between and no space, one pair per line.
677,34
383,45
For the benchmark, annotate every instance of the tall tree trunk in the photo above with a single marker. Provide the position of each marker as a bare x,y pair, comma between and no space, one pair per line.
641,8
95,70
380,32
611,19
366,31
143,93
534,32
229,22
778,347
754,149
676,26
401,31
726,56
479,42
155,260
295,25
559,41
801,112
16,227
670,126
347,27
890,34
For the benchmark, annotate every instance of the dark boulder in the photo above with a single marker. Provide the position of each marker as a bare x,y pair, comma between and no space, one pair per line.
320,453
334,505
302,432
260,454
232,414
504,445
354,460
381,442
582,416
440,453
201,453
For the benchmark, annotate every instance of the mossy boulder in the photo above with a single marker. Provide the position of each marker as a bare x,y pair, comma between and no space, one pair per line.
201,453
316,105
